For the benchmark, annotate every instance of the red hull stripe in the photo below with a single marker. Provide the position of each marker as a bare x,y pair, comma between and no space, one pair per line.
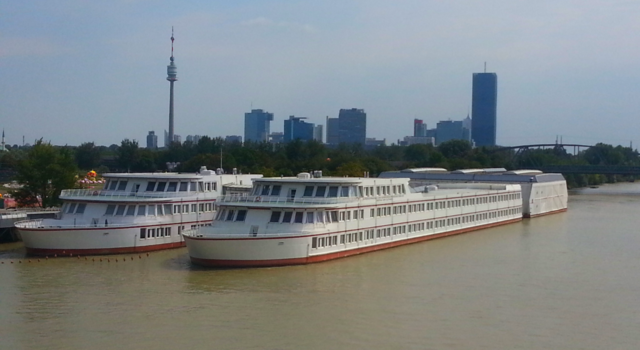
103,251
528,216
336,255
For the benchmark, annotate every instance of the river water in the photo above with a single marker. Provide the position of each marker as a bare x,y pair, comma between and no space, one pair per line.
564,281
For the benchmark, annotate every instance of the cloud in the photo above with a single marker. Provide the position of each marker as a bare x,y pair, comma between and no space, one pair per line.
266,22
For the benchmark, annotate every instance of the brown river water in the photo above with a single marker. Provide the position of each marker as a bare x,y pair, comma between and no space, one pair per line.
564,281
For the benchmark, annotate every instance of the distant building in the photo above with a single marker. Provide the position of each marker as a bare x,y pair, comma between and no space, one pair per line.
297,128
317,133
276,137
451,130
233,138
177,138
353,126
333,131
193,139
417,140
419,128
257,125
484,102
372,143
152,140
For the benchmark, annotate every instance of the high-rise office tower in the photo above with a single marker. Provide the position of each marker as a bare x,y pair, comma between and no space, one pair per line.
296,128
257,125
333,131
152,140
484,102
419,128
353,126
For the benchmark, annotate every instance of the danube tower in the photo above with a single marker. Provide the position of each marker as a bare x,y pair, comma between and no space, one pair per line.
172,76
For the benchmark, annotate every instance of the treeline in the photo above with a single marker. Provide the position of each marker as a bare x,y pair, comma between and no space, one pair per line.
344,160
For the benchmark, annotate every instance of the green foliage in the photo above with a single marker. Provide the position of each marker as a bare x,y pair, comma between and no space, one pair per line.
44,173
87,156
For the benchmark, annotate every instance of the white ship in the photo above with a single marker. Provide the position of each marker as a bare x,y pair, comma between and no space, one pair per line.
135,212
308,219
542,193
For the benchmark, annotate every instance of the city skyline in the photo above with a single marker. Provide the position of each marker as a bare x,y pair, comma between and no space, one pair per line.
79,72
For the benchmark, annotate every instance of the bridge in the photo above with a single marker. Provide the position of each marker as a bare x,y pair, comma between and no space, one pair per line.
521,151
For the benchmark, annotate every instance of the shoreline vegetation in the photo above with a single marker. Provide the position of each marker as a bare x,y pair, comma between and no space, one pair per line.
44,169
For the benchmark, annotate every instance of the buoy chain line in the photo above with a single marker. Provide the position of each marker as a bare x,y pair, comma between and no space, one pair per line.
78,258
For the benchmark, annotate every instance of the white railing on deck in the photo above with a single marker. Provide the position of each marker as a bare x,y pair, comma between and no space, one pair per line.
285,200
109,194
37,223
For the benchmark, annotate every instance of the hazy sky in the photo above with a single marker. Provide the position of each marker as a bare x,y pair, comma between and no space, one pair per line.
75,71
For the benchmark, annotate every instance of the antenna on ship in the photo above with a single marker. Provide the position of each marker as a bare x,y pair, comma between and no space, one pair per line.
172,76
485,66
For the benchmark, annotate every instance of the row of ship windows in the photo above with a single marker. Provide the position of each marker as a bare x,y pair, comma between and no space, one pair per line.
321,242
310,217
165,186
159,232
153,209
333,191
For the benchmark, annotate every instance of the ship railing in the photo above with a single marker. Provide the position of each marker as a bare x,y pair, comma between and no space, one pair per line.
38,223
284,200
201,232
110,194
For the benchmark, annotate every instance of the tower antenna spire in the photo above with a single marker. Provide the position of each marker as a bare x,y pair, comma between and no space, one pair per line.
172,43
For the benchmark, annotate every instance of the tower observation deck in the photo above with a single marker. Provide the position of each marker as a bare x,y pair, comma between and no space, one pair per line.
172,76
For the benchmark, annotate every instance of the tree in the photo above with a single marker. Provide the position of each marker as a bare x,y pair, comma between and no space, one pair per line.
128,154
88,156
44,173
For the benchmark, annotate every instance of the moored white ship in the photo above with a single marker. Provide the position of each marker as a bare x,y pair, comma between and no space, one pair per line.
309,219
135,212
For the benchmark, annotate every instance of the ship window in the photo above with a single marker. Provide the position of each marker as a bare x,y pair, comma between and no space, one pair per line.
167,231
110,209
275,216
176,209
265,190
345,191
184,186
334,216
230,215
143,233
152,233
287,216
220,215
131,210
185,208
314,242
173,185
320,217
194,208
161,186
276,190
167,209
142,210
122,185
151,211
193,187
320,191
242,214
298,218
333,191
113,184
151,186
72,208
308,191
201,207
256,190
215,186
120,209
310,216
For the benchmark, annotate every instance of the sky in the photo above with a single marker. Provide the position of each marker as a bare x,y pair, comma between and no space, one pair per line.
75,71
